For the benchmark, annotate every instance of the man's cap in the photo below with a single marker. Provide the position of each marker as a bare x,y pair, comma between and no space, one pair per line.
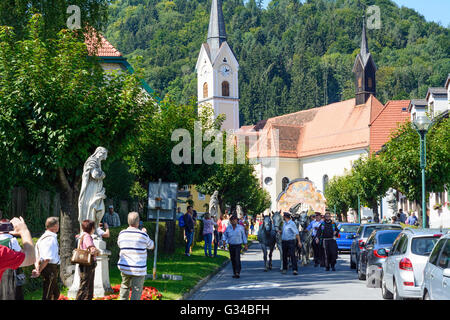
286,214
317,213
111,207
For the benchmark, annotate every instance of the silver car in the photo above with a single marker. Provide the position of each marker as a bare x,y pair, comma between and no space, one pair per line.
402,271
436,277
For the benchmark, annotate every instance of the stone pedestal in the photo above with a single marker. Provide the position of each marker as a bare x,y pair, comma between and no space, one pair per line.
102,287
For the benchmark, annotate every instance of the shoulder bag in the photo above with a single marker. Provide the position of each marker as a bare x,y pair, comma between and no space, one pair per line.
81,256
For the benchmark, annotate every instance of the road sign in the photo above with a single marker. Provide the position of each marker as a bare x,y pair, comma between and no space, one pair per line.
165,200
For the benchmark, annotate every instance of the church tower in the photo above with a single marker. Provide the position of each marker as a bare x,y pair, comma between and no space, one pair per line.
217,72
364,70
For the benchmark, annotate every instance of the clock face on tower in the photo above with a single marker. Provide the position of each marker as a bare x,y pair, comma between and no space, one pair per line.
225,70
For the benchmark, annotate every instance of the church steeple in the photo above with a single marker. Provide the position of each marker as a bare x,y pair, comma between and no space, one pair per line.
364,70
216,29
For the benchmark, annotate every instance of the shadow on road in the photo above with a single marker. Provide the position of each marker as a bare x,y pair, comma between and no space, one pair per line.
257,284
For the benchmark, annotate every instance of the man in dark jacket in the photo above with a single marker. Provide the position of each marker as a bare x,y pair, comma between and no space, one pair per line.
189,230
326,238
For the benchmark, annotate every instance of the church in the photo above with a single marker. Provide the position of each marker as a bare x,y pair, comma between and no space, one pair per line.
315,144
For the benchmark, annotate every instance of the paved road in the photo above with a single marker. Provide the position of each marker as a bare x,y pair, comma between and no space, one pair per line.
311,283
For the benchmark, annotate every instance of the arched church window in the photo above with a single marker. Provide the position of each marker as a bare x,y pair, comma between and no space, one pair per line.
225,89
324,182
284,183
205,90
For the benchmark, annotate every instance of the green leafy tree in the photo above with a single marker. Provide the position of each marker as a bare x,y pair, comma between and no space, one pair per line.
401,154
341,193
150,156
371,180
237,184
17,13
56,107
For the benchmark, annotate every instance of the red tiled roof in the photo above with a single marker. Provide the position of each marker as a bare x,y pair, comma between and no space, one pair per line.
105,49
332,128
385,123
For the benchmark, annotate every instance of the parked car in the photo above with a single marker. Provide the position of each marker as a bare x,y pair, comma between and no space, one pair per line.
402,273
346,229
375,251
436,276
361,236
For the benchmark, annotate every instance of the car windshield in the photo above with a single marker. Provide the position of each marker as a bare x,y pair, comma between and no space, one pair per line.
368,231
387,237
348,228
423,246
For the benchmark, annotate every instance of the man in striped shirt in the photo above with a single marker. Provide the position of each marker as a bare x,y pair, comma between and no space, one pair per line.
133,244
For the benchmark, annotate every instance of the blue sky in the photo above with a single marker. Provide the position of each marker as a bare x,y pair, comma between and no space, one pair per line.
432,10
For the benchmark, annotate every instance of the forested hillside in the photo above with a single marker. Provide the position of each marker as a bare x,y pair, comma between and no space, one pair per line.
293,55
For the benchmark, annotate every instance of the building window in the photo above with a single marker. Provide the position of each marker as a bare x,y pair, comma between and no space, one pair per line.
205,90
284,183
201,196
360,82
225,89
325,182
369,82
268,181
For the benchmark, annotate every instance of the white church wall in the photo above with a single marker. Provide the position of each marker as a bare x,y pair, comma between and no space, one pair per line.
266,169
332,164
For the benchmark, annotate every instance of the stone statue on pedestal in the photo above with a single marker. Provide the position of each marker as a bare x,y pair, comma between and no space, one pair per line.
91,206
391,199
90,202
239,211
214,204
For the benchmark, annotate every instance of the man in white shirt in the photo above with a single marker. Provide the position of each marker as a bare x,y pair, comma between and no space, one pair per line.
47,259
133,244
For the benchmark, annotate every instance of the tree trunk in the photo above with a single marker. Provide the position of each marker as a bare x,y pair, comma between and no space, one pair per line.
69,227
376,216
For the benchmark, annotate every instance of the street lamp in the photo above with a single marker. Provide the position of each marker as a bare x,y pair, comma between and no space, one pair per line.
422,124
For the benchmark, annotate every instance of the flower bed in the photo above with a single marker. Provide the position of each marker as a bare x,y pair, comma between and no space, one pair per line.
148,293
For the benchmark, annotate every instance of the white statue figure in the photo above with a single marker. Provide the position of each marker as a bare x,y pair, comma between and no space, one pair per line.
392,202
214,204
239,212
92,193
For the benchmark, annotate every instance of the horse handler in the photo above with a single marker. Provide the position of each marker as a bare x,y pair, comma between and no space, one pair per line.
313,227
326,236
235,236
289,238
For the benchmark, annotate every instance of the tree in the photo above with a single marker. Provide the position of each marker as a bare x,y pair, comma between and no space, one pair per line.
150,156
57,105
402,157
371,180
341,193
237,184
55,15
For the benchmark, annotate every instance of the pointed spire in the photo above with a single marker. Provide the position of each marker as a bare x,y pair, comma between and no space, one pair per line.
216,29
364,46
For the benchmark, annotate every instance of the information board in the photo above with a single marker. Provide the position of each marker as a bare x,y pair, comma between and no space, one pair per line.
168,203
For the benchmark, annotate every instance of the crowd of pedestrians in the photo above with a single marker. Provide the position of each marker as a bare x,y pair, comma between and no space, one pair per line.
133,243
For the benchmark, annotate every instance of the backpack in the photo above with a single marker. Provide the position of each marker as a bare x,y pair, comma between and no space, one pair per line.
181,222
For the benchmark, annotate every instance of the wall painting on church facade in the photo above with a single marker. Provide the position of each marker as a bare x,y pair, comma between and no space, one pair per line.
304,192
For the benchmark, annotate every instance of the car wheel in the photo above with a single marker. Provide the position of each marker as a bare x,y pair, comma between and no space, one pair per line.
426,296
352,264
396,295
385,292
361,276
